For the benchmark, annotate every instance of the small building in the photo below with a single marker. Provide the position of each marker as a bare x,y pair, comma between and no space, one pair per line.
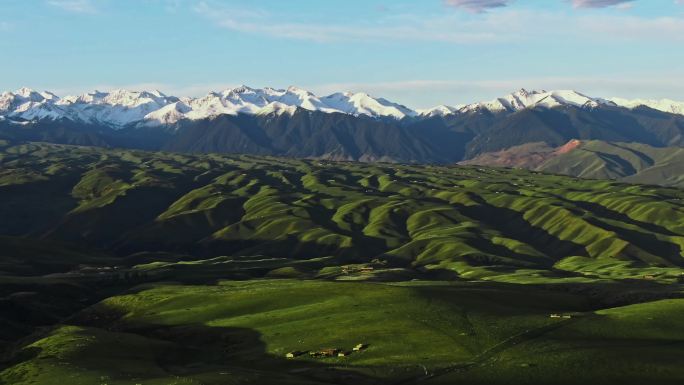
293,354
360,347
325,353
343,354
554,315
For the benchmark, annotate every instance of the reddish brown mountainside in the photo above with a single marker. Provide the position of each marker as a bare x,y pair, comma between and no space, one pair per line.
529,155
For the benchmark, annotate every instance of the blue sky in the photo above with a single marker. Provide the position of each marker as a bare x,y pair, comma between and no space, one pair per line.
420,53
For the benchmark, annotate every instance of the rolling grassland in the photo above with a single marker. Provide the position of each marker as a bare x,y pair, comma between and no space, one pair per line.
132,267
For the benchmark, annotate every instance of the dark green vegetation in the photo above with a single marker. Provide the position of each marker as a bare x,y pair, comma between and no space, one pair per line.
130,267
628,162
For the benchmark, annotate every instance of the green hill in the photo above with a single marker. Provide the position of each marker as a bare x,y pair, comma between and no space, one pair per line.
127,267
627,162
468,221
630,162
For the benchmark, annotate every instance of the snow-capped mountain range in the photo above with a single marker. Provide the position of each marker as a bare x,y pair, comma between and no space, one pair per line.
152,108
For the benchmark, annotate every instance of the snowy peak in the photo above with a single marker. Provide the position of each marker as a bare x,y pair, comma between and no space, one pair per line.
29,104
24,99
441,110
363,104
28,95
665,105
121,98
168,114
248,100
120,108
116,108
278,109
523,99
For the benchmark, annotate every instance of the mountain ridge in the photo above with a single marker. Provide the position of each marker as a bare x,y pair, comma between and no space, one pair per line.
119,108
356,127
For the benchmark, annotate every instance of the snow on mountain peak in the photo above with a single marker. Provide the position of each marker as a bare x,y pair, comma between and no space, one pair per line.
29,102
277,108
523,99
118,97
168,114
363,104
441,110
121,107
298,91
25,92
243,89
665,105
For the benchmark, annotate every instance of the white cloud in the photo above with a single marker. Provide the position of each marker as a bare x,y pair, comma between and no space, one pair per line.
76,6
410,28
506,26
600,3
632,28
478,6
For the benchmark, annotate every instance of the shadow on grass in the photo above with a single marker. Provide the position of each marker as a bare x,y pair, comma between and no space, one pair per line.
550,298
209,351
513,225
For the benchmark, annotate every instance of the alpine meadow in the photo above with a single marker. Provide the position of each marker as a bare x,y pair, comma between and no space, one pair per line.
215,233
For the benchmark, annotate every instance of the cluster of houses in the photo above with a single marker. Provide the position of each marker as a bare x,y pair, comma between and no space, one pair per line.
329,352
356,269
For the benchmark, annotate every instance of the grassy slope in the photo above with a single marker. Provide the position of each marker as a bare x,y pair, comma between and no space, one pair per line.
533,244
631,162
633,344
475,223
165,334
628,162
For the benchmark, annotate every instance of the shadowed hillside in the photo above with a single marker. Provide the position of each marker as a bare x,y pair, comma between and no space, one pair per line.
130,267
472,222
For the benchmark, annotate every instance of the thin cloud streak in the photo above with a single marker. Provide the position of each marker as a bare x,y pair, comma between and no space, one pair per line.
75,6
632,28
410,29
193,90
489,28
600,3
478,6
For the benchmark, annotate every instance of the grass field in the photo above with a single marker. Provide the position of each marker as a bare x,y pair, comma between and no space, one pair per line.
129,267
418,331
